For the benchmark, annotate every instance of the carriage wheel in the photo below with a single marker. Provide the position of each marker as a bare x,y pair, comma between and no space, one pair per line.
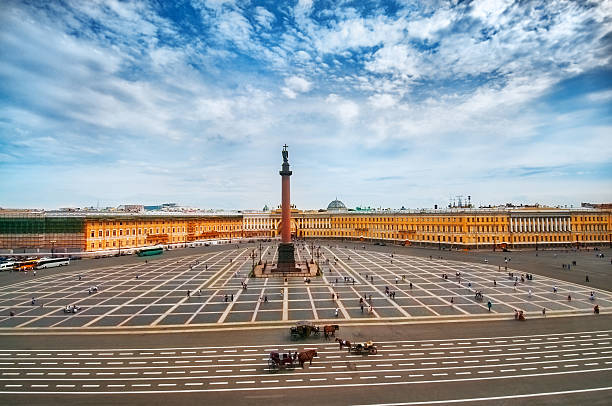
373,350
272,367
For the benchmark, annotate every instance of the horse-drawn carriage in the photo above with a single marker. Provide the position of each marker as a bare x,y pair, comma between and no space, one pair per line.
276,362
363,348
304,329
358,348
287,361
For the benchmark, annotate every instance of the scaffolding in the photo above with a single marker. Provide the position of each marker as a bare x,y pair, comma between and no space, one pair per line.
25,231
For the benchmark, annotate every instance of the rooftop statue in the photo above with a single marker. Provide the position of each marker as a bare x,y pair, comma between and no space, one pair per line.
285,154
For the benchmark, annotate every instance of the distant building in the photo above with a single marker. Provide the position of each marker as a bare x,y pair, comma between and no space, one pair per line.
131,208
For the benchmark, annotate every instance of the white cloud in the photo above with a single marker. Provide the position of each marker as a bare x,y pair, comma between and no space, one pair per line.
295,85
399,60
264,17
382,101
345,110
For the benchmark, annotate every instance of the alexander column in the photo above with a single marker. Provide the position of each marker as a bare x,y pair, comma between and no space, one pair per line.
286,257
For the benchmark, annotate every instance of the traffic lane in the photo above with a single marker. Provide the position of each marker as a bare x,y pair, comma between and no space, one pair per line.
165,369
362,394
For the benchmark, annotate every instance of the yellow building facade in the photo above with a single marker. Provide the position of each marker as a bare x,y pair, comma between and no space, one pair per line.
115,232
512,228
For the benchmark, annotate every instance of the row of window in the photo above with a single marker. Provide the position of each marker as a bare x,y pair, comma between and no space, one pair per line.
141,231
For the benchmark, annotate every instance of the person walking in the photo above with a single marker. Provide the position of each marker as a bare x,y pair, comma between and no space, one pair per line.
336,312
489,305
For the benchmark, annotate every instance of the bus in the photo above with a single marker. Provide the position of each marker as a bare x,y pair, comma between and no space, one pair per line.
146,252
25,265
51,262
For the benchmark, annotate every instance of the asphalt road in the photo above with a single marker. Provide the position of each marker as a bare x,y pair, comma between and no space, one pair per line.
434,362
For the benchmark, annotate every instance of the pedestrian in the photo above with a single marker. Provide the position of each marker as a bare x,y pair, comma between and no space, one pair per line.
410,285
587,277
35,275
336,312
200,292
79,277
494,282
266,299
569,298
452,300
489,305
188,292
225,298
232,298
361,308
396,280
544,311
33,301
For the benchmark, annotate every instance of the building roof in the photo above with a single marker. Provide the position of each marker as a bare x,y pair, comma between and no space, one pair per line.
336,205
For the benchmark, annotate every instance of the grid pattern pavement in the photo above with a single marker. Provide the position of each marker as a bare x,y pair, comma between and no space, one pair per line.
155,293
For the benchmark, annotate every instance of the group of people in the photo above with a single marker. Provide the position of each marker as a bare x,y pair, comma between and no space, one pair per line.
362,303
390,293
92,289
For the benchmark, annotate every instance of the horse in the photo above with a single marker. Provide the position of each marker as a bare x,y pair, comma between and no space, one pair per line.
330,330
306,356
344,343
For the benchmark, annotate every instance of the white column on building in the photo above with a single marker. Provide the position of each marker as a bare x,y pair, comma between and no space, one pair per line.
530,224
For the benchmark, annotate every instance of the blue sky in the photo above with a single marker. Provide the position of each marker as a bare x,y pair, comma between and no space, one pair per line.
383,104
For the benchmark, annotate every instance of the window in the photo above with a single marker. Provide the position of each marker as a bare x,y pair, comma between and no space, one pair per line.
99,233
93,234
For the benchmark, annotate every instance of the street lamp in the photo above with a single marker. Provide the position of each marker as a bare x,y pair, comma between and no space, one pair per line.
52,246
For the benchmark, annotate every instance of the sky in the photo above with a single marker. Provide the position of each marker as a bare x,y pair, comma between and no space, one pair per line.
382,103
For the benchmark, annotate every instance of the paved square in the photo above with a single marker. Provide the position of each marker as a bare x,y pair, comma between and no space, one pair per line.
207,289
